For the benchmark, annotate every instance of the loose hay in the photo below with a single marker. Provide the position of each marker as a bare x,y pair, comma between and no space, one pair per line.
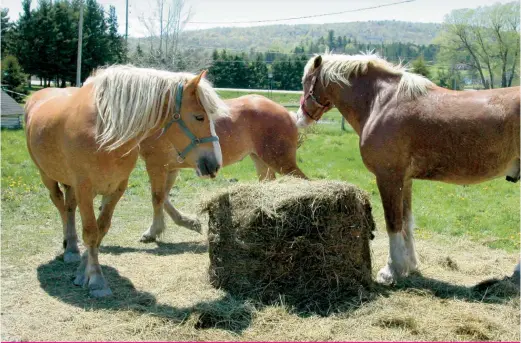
306,243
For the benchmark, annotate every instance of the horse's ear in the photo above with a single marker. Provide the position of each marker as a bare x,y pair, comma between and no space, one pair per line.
193,83
317,62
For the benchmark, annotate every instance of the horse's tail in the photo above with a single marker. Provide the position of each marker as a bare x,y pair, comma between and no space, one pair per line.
301,134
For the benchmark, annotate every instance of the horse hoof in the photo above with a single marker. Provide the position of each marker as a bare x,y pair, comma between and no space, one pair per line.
71,257
100,293
147,239
80,279
386,276
196,226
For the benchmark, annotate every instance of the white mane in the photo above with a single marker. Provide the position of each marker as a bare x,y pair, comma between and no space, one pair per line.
340,68
131,101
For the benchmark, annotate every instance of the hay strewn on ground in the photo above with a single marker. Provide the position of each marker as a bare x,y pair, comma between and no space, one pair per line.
305,241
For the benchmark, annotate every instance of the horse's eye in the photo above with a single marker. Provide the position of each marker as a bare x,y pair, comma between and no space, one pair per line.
199,117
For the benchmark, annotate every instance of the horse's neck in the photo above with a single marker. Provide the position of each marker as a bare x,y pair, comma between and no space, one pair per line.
355,101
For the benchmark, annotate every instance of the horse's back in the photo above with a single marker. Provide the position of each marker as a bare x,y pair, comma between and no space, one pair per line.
464,136
265,126
61,138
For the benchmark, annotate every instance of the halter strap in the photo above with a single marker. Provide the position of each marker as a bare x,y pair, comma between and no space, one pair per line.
176,118
323,108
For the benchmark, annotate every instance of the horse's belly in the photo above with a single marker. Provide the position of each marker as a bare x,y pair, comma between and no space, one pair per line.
462,172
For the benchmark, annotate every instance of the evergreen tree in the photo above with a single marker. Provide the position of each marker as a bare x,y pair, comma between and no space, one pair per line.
331,40
12,76
95,38
25,37
66,40
6,31
117,46
420,67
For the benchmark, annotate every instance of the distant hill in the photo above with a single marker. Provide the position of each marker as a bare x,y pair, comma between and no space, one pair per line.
287,37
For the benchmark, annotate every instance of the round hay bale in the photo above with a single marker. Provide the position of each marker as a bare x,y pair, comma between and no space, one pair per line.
307,241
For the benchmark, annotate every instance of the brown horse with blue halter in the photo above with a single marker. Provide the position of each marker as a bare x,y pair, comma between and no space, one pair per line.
411,129
87,139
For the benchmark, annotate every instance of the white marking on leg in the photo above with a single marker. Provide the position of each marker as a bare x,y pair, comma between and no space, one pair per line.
398,264
398,257
216,145
409,242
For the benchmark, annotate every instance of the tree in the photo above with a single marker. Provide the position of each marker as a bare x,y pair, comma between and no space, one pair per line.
420,67
13,77
25,33
6,27
486,39
117,46
66,40
95,40
164,28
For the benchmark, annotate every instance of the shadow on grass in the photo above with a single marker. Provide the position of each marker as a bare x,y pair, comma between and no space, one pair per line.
496,291
160,249
235,312
227,313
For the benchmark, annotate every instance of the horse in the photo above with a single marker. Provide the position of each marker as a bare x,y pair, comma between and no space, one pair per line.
87,140
256,126
409,128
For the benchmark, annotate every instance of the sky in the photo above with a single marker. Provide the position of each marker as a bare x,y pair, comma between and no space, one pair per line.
225,11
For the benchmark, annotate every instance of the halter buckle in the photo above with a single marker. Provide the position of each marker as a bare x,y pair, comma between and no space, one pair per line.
180,159
176,116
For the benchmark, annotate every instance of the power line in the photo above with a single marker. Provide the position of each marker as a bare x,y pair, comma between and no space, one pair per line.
302,17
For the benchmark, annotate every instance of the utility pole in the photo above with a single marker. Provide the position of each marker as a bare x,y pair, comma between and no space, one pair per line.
126,22
80,45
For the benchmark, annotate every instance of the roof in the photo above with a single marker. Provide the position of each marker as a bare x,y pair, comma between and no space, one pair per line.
10,106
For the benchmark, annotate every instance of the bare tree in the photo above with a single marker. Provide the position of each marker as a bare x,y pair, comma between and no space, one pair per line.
164,28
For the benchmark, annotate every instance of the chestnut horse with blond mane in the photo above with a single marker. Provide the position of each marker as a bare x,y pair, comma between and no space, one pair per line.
411,129
257,127
87,140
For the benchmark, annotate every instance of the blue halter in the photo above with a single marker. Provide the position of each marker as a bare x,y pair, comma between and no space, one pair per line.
177,119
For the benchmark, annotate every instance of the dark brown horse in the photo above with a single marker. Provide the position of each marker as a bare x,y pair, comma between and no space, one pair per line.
411,129
256,127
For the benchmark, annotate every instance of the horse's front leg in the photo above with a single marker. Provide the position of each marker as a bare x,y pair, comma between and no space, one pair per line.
89,272
158,177
399,264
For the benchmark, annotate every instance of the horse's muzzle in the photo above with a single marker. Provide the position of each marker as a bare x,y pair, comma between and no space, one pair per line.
208,166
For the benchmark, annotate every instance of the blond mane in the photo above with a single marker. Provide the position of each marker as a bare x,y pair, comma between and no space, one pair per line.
340,68
131,101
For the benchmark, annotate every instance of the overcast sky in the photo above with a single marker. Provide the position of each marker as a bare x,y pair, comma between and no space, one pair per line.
251,10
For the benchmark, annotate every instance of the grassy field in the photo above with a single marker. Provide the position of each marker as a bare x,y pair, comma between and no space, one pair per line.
465,234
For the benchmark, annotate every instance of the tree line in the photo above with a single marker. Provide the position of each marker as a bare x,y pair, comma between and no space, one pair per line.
242,70
44,40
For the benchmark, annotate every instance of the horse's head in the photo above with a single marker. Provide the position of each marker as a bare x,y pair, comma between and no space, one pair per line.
314,103
190,127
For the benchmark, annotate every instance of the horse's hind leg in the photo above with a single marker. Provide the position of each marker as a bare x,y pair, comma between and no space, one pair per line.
57,198
283,161
70,237
264,172
89,272
178,217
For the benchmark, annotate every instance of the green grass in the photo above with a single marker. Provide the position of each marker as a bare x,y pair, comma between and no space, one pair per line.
487,213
